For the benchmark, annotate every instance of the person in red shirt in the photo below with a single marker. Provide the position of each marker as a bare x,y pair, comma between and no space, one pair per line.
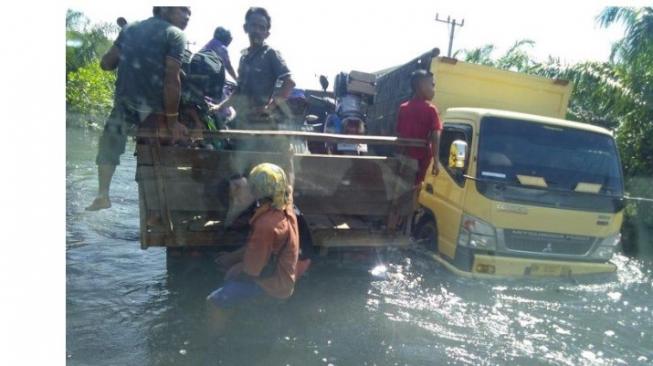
418,119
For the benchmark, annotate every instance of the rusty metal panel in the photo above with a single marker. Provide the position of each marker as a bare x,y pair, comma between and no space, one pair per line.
196,182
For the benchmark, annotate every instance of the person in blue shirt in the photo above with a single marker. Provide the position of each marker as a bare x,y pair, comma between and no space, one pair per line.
221,40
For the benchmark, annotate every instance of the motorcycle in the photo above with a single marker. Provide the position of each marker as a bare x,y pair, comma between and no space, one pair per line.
353,97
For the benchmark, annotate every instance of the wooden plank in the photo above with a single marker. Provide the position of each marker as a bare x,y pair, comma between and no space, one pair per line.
351,187
309,136
356,238
190,230
164,209
318,222
309,167
228,162
324,137
198,176
342,186
207,238
339,206
142,208
320,173
322,237
211,159
328,176
183,192
349,222
344,206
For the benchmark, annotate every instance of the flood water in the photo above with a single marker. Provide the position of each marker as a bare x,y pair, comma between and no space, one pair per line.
125,308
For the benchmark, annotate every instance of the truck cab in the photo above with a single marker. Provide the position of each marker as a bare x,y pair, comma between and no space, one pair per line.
521,191
522,194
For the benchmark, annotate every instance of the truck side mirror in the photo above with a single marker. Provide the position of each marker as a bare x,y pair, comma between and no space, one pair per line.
324,83
457,155
619,203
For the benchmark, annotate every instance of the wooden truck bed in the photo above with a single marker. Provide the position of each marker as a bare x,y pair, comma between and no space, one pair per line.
344,200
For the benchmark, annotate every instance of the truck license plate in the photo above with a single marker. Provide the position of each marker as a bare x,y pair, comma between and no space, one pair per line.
546,270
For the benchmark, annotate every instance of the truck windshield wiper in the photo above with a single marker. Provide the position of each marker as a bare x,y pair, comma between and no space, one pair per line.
516,183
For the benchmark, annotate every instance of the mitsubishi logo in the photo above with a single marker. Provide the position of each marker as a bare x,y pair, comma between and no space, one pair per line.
548,248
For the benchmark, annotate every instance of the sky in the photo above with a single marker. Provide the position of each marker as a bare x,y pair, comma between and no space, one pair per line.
327,37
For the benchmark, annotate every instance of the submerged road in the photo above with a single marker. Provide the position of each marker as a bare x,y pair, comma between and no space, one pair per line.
125,308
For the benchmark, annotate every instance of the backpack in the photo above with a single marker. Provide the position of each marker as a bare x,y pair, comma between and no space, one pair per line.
203,77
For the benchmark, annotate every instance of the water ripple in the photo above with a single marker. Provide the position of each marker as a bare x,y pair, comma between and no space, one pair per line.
124,307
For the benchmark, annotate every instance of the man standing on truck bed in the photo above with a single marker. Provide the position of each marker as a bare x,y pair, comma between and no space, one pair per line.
418,119
218,44
259,69
148,56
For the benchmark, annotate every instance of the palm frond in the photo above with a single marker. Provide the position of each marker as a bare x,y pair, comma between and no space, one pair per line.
638,30
518,44
617,14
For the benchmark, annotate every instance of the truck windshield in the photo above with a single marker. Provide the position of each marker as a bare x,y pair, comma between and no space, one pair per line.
531,154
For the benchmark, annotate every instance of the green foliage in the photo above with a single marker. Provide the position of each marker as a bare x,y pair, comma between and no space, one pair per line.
480,55
633,65
85,42
599,95
638,23
637,228
89,89
515,59
617,95
89,95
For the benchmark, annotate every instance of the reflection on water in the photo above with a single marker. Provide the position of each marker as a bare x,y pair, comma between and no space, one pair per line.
125,308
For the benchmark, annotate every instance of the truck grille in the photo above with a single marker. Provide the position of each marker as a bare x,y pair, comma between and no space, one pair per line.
548,243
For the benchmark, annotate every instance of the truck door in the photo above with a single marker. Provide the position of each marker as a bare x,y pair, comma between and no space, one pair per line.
444,194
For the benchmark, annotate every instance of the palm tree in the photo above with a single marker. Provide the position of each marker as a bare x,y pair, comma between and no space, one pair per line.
638,36
480,55
633,61
516,58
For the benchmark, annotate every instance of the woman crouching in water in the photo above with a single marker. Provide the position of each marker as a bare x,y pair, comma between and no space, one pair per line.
267,265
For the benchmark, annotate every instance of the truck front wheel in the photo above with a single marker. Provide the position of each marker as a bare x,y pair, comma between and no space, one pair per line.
427,234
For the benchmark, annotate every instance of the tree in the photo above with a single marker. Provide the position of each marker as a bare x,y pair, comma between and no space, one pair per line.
516,59
89,89
638,37
89,95
85,42
632,58
480,55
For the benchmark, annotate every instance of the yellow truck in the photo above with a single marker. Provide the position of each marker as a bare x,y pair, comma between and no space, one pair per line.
521,191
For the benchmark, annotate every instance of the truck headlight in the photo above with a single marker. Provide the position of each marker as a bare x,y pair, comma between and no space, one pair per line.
607,247
603,253
476,233
612,240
